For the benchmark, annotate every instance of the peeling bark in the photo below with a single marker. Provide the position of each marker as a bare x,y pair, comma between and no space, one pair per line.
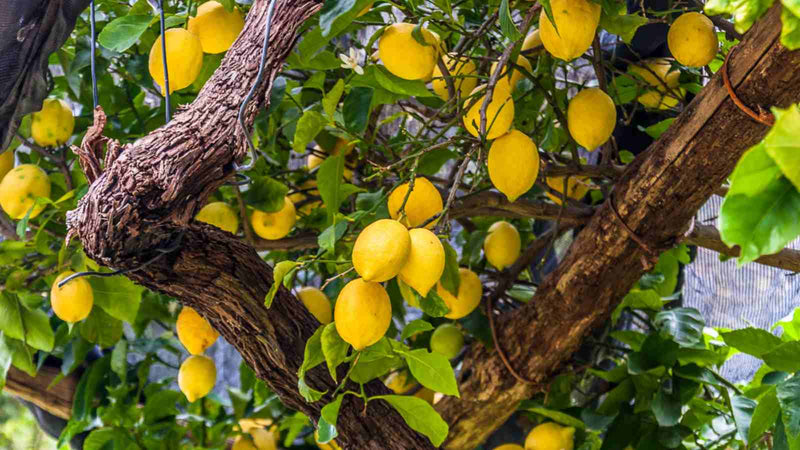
656,197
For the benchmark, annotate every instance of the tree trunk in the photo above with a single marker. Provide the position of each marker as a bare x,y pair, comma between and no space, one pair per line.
146,196
656,197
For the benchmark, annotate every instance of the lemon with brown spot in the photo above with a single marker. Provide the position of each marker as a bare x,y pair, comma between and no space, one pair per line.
513,163
425,262
220,215
502,245
275,225
216,27
381,250
403,56
692,39
363,313
576,21
462,70
197,376
550,436
194,331
184,59
53,124
317,303
73,302
470,291
499,112
424,202
591,118
20,188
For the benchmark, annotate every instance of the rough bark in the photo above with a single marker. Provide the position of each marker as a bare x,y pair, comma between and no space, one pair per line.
56,400
656,196
147,195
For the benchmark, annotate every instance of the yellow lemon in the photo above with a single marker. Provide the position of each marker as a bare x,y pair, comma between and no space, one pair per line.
274,225
576,187
184,59
425,394
513,164
6,163
197,377
532,41
216,27
692,40
509,447
399,382
499,113
550,436
308,188
469,296
19,189
591,118
243,442
194,331
424,202
363,313
248,424
576,21
317,303
447,340
657,73
315,159
221,215
73,302
502,245
257,439
53,124
462,70
381,250
511,75
425,262
403,56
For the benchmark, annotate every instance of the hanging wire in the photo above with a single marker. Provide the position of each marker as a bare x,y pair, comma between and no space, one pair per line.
164,58
259,77
92,55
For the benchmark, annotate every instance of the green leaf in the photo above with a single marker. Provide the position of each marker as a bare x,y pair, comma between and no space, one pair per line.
98,439
119,359
790,29
118,296
744,12
356,109
762,224
657,129
785,357
507,23
278,272
432,304
14,318
327,239
451,279
334,348
432,370
415,327
312,357
160,405
638,299
788,393
419,415
397,85
666,407
754,172
683,325
782,144
331,188
340,12
308,127
331,99
121,33
265,194
620,395
101,329
622,24
765,415
752,341
742,408
87,387
558,416
327,420
6,357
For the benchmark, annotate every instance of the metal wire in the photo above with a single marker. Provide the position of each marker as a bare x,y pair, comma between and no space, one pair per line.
92,54
164,58
259,77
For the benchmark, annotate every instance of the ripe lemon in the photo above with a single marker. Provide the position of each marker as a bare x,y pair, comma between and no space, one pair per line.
513,164
462,70
363,313
692,39
510,75
550,436
532,41
576,187
509,447
502,245
216,27
469,296
425,394
53,124
424,202
197,376
308,188
274,225
381,250
425,262
221,215
194,331
73,302
657,73
257,439
184,59
447,340
6,163
499,113
403,56
342,147
591,118
19,189
576,21
399,382
317,303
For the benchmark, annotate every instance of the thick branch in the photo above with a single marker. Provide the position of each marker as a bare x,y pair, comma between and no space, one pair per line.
56,400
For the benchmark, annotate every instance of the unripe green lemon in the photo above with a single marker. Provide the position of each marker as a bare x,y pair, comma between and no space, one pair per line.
462,70
550,436
447,340
513,164
576,187
6,163
424,202
469,296
73,302
692,39
19,189
513,76
499,112
576,21
194,331
363,313
502,245
221,215
403,56
591,118
53,124
216,27
425,262
381,250
666,91
197,377
317,303
184,59
274,225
